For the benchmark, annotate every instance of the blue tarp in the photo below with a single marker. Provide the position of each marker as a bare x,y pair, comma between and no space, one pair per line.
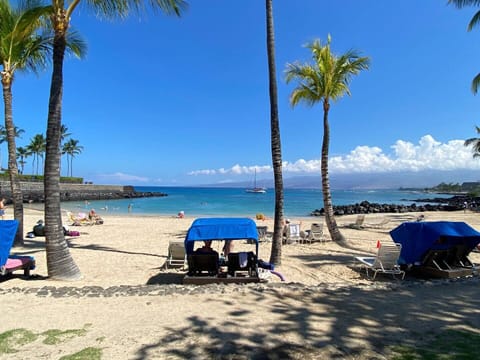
417,238
221,229
8,229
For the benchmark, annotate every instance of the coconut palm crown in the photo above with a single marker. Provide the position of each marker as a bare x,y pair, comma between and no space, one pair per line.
326,78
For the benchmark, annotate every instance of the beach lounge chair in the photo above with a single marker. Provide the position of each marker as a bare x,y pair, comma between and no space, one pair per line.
262,233
385,262
203,264
379,225
176,254
244,262
81,219
358,224
315,233
10,263
292,234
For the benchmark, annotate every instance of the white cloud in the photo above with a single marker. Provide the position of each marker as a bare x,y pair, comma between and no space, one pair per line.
428,154
234,170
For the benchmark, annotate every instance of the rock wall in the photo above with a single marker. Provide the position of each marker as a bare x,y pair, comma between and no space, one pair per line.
33,192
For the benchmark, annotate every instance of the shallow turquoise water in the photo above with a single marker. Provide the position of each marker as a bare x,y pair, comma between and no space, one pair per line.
236,202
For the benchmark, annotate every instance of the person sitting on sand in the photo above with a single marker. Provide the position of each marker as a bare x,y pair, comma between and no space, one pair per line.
206,248
94,217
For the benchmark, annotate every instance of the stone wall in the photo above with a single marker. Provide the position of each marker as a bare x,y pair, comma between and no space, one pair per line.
33,192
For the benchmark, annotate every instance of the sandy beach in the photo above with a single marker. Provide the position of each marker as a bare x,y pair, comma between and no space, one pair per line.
129,306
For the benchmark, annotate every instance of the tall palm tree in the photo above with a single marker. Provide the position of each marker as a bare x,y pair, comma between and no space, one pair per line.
22,154
475,143
37,148
71,148
327,78
22,47
60,263
276,252
473,22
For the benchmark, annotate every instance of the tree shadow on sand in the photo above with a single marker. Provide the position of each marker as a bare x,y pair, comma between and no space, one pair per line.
164,278
343,323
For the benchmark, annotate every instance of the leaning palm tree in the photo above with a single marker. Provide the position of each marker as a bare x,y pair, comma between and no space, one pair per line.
327,78
475,143
22,47
473,22
60,263
276,253
71,148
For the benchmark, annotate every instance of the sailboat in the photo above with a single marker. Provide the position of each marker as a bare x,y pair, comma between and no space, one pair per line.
255,189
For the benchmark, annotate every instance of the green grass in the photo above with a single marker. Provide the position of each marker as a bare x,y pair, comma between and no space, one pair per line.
55,336
89,353
10,339
447,345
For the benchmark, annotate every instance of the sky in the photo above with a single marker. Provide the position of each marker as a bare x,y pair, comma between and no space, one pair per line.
161,100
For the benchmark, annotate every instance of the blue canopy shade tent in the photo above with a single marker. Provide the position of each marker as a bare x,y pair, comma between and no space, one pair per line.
419,238
221,229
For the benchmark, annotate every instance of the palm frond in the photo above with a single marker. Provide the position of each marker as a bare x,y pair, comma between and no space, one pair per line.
76,45
462,3
112,9
474,21
475,83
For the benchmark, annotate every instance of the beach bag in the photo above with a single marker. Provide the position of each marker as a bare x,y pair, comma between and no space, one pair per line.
73,233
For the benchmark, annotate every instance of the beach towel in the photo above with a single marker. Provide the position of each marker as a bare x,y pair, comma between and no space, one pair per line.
243,259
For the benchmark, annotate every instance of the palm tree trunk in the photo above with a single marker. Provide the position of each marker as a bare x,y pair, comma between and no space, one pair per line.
60,263
17,195
276,252
327,197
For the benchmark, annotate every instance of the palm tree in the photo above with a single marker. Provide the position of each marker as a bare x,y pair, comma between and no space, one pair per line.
37,148
276,252
22,154
71,148
60,263
327,78
21,48
473,22
475,142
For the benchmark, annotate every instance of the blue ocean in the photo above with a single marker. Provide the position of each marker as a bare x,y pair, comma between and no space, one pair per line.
196,201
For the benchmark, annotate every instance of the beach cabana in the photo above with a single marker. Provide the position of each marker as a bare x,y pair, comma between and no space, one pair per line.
438,247
209,268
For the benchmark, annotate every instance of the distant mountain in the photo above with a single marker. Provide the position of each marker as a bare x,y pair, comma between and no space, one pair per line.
360,181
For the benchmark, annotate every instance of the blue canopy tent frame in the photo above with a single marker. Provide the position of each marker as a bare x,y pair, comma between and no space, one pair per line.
220,229
434,242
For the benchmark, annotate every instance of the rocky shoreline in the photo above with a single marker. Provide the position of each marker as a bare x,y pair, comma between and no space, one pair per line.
454,203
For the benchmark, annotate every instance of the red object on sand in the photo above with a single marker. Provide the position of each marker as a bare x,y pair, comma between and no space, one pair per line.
378,244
